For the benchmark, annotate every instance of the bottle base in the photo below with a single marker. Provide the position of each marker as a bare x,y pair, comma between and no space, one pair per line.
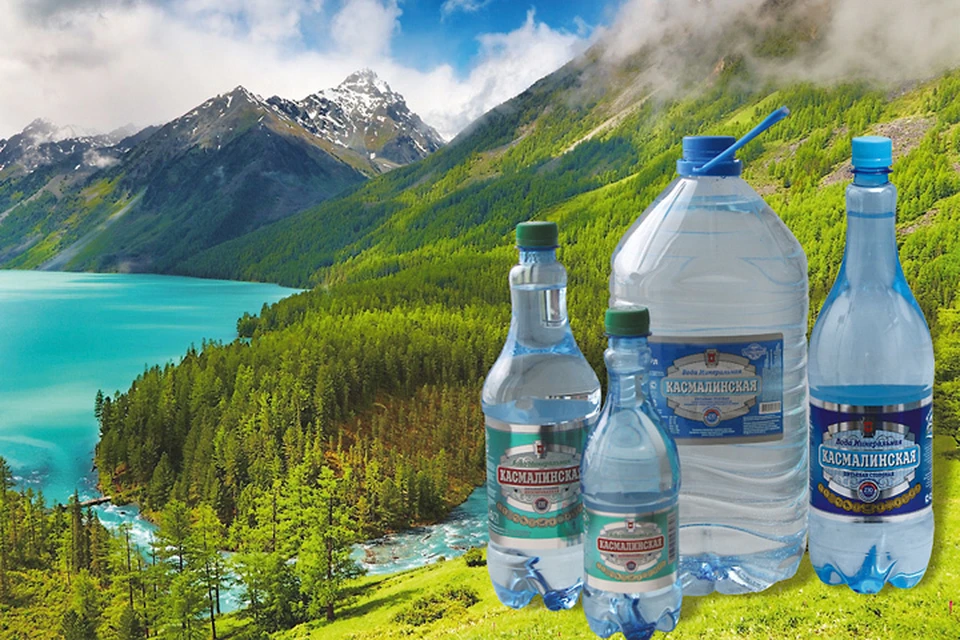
554,599
870,577
865,555
733,575
517,579
636,616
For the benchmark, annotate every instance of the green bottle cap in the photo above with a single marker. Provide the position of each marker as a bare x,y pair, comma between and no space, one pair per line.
537,235
627,322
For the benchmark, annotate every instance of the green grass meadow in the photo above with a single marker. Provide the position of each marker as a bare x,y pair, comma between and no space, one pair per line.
800,608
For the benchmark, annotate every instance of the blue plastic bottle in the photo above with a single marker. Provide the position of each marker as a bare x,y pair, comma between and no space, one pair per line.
539,399
871,382
630,482
728,283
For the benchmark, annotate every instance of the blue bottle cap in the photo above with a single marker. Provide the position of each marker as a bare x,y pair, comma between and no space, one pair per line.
699,150
872,152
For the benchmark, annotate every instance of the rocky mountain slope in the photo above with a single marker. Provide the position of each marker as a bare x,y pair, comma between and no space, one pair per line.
364,114
146,202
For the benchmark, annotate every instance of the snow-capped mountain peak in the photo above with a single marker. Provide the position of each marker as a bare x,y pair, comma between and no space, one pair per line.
365,79
240,92
364,114
42,130
43,143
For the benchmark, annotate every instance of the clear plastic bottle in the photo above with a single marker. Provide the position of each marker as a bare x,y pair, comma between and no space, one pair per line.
539,399
871,385
729,284
630,480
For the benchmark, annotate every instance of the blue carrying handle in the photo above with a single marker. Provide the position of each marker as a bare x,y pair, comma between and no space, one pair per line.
768,122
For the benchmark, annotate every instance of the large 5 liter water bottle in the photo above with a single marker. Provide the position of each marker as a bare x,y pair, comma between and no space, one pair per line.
871,382
630,483
728,282
539,399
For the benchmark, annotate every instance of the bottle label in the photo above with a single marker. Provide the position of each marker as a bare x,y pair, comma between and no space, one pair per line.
631,553
719,390
533,484
871,461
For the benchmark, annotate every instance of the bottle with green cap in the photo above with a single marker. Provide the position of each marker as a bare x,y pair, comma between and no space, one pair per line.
630,480
871,401
539,401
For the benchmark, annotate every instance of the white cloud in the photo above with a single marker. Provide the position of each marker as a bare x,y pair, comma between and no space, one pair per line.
507,64
261,20
866,40
363,28
111,62
467,6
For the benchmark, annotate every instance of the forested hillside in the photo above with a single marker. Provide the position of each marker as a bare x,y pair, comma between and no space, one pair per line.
374,376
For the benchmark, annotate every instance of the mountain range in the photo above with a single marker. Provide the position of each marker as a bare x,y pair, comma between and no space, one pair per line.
148,200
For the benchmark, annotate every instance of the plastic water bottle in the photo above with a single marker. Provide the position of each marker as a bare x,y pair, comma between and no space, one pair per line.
728,282
871,382
539,399
630,481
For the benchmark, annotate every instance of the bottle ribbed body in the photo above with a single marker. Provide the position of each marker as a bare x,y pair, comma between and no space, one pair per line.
727,284
871,381
539,400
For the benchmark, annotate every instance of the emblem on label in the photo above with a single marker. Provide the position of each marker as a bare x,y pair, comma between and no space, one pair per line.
719,388
541,476
631,553
533,483
870,460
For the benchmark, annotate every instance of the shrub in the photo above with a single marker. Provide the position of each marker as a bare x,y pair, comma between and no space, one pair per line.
474,557
443,604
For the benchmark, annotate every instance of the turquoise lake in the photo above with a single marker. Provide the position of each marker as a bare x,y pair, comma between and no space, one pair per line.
63,336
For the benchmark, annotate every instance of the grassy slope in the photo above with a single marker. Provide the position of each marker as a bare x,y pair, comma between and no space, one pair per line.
802,607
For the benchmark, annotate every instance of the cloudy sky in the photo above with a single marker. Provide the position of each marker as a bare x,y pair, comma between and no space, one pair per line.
101,64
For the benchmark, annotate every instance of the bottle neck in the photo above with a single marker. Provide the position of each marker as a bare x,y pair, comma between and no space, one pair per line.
537,256
628,360
538,291
875,178
870,256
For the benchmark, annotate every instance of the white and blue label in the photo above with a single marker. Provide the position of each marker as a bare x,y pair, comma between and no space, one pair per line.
871,461
719,389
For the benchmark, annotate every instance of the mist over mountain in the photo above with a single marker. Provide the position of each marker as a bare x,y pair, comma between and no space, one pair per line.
43,143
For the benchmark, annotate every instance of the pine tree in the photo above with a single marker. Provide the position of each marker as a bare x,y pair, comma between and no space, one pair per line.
71,627
129,626
179,572
79,537
207,540
98,405
99,554
173,538
183,608
324,563
270,590
161,483
85,602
